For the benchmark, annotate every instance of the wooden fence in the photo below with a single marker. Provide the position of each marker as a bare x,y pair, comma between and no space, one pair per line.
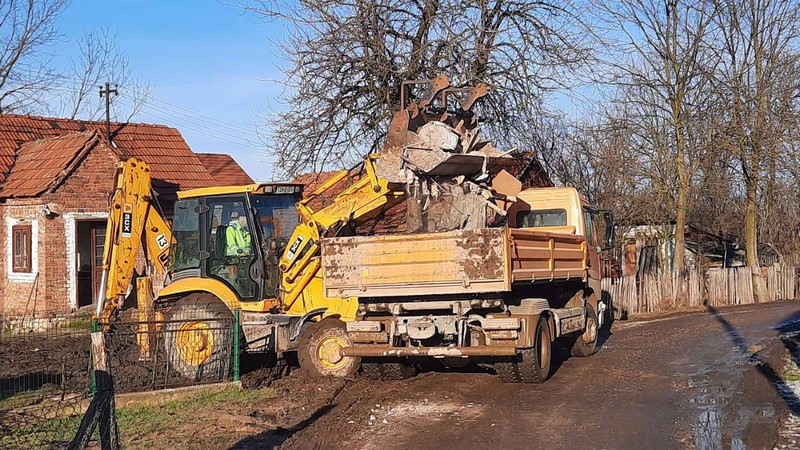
662,291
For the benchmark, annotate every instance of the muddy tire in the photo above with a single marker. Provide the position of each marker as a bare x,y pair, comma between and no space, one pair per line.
318,350
530,365
586,343
198,339
387,371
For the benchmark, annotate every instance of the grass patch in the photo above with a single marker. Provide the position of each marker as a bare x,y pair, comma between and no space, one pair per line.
47,434
135,423
790,370
80,323
228,397
28,398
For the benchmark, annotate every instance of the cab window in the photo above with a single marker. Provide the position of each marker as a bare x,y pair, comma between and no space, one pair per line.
185,252
588,222
542,218
232,244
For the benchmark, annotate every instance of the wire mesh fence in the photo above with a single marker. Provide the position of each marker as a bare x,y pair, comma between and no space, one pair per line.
45,379
181,350
49,393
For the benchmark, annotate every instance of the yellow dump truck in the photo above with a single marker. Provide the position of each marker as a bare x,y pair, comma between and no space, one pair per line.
289,265
496,295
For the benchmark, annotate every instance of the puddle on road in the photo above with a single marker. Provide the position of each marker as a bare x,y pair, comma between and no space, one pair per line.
712,388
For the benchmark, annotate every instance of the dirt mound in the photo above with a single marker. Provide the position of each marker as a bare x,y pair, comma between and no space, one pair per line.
30,362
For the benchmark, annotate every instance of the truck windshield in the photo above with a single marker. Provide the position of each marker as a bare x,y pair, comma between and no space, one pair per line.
542,218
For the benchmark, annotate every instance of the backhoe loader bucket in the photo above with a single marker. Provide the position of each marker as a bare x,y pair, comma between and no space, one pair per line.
429,139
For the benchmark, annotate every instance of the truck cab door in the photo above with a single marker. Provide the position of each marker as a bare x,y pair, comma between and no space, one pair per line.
589,227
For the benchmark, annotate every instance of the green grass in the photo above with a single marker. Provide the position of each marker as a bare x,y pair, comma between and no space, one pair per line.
228,397
138,421
28,398
80,323
790,370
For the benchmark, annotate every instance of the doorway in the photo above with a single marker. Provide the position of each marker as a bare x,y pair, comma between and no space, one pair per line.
91,235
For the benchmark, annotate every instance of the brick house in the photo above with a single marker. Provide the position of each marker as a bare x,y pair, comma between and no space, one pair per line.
56,176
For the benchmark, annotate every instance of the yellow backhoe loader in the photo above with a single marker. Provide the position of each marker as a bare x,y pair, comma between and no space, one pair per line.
256,248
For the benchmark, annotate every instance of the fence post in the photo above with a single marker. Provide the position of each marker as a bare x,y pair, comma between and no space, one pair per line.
95,328
235,345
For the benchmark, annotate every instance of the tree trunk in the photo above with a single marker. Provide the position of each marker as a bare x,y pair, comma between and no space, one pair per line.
751,241
679,265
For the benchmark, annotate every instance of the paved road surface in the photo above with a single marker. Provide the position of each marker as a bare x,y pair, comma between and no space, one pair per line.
704,380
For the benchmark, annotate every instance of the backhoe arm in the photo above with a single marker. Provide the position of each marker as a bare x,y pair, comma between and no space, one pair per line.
364,200
382,184
133,218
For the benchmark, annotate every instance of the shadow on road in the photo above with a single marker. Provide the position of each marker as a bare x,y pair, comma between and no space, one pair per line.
763,367
274,438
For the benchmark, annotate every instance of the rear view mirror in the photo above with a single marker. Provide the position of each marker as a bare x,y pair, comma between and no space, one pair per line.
608,238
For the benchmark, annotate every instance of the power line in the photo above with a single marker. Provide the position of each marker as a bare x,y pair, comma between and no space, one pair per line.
199,130
196,121
170,117
171,107
168,108
207,126
185,121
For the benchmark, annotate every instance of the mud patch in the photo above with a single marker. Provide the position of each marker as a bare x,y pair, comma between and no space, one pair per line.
402,421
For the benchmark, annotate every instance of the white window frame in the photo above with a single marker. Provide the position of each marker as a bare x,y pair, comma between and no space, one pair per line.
22,277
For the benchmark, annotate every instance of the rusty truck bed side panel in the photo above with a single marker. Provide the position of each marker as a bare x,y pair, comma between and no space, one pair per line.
456,262
544,256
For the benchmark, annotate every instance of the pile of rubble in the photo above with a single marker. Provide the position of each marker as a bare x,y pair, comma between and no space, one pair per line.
441,158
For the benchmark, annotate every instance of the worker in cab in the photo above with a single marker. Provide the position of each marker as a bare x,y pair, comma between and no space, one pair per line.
238,238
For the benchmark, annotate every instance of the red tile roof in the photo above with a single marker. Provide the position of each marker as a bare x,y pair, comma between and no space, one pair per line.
174,164
224,169
42,165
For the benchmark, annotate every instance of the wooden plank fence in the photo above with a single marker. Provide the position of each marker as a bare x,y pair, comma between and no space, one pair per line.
661,291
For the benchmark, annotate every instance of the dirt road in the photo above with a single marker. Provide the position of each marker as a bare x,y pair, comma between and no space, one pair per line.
707,379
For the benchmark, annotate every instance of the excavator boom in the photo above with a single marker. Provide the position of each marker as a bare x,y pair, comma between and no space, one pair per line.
133,219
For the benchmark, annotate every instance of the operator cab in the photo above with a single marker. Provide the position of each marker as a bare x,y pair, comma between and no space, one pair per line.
235,235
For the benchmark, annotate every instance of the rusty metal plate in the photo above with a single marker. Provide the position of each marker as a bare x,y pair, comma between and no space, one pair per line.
464,261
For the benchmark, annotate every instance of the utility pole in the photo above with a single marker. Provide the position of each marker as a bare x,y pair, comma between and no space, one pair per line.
107,94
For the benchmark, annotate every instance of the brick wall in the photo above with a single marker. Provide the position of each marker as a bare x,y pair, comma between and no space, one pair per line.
23,292
2,259
84,192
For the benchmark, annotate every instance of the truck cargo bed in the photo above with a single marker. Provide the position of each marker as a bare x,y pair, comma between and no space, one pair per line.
456,262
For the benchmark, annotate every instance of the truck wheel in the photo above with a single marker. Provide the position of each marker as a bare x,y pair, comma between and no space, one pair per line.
586,343
198,337
530,365
318,351
387,371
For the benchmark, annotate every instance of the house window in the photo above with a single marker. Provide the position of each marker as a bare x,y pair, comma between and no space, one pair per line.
21,248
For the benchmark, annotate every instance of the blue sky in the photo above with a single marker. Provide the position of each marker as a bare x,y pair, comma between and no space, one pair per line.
203,55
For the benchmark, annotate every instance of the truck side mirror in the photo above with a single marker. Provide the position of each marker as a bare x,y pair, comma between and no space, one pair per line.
608,219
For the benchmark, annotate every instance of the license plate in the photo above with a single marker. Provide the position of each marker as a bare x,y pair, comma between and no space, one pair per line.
284,189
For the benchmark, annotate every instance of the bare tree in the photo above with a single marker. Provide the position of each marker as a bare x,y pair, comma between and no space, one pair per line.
758,77
27,28
347,59
668,59
99,59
